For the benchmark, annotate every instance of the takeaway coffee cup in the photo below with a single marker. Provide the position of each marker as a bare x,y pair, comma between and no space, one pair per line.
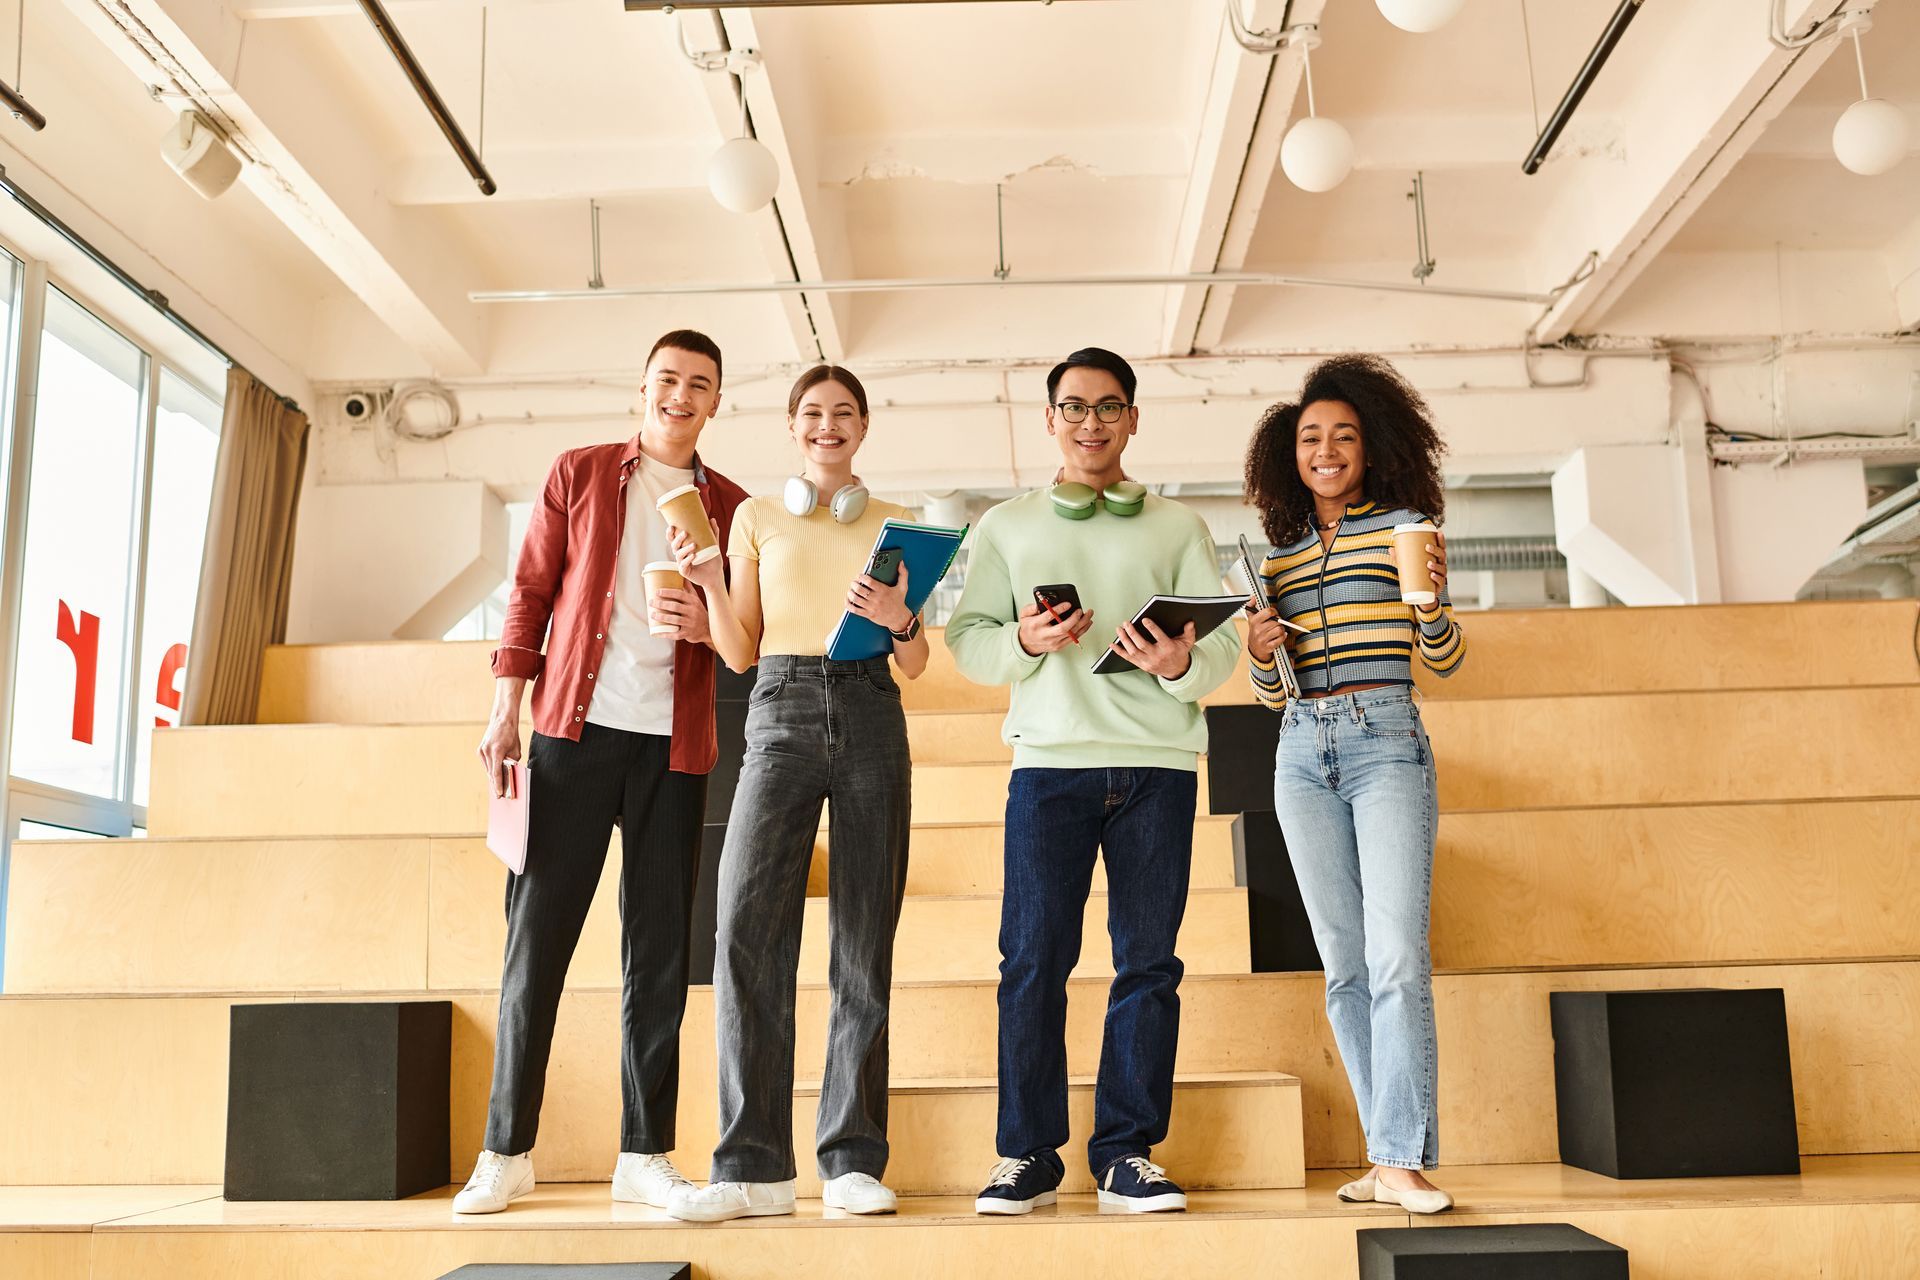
1410,558
660,576
683,510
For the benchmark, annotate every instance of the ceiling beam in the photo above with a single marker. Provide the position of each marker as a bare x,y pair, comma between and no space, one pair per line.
1247,192
1706,82
312,164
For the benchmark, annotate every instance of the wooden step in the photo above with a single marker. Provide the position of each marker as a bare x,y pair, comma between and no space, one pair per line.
159,1114
1687,884
970,858
387,780
412,915
1511,653
1501,753
1676,748
1555,888
1845,1216
131,1087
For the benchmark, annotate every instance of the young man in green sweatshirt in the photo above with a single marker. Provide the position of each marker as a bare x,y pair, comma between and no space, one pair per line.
1102,766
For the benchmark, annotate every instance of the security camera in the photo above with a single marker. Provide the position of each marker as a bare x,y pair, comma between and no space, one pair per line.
358,406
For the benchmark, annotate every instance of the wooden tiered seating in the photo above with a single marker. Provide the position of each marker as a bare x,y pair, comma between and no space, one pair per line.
1649,798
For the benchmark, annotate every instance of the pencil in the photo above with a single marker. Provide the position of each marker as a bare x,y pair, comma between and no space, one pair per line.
1057,618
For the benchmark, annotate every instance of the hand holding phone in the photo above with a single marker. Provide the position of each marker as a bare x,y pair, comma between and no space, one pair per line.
885,565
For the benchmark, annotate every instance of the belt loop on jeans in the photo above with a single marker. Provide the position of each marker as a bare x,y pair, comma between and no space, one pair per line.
1353,708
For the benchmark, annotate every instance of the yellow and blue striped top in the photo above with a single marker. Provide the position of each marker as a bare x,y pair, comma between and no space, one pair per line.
1348,597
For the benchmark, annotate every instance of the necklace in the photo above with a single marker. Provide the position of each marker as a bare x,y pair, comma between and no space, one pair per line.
1331,524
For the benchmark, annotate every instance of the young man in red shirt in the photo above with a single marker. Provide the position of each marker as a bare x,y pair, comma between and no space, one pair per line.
623,729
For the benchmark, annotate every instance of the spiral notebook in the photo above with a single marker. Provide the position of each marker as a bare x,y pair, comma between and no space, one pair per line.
1256,601
927,551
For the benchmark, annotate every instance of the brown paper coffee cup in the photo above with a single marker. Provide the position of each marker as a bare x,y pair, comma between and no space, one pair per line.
661,575
1410,559
683,510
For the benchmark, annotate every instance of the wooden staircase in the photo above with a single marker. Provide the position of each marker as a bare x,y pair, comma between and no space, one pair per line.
1645,798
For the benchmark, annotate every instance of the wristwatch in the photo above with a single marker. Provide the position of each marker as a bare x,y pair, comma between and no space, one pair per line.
913,630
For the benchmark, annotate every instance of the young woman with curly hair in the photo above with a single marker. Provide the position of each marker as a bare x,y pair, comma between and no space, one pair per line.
1354,785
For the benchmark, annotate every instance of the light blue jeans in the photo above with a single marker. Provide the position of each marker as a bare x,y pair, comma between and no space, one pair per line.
1354,788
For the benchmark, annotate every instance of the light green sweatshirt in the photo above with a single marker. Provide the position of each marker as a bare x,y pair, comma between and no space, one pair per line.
1062,716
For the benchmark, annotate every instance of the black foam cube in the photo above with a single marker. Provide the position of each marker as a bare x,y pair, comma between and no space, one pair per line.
1688,1083
1277,920
1527,1251
338,1101
572,1271
1241,741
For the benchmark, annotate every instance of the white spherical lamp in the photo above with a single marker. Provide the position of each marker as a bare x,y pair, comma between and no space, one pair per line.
1317,154
743,175
1870,137
1420,16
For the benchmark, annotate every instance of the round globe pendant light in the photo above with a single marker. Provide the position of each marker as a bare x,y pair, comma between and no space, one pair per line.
1420,16
743,175
1870,137
1317,153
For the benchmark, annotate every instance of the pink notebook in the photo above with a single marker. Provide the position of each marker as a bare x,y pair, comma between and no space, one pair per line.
507,817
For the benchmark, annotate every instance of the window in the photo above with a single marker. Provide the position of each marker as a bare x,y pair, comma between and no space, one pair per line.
186,437
71,679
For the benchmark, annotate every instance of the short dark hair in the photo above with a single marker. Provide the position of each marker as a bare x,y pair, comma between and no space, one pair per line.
1094,358
825,373
690,340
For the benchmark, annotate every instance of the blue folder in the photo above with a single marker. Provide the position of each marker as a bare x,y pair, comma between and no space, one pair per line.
928,552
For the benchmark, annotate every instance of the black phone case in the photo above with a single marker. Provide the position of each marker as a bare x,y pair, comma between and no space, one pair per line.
1064,597
885,565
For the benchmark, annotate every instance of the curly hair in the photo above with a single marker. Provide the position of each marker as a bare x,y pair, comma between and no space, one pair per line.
1396,427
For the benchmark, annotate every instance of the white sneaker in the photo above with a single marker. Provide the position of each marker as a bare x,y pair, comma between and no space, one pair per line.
719,1201
858,1193
650,1180
497,1182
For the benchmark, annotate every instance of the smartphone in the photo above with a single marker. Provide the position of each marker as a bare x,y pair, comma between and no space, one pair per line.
885,565
1061,599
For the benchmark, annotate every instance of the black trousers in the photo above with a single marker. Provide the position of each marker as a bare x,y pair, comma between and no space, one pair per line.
579,788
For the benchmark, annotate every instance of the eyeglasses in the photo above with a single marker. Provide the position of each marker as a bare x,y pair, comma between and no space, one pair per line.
1075,412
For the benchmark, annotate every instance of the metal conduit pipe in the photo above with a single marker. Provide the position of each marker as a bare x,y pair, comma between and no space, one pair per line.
417,77
920,283
1589,71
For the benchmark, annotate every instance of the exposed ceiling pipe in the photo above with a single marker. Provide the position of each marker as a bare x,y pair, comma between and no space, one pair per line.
923,283
22,110
1602,49
417,77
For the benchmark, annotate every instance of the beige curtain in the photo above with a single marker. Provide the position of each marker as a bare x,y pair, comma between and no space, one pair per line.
247,568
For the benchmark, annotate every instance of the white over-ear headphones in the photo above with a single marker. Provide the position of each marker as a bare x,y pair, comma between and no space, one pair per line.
848,505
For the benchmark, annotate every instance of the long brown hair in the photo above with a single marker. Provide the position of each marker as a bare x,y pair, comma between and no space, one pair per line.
1403,447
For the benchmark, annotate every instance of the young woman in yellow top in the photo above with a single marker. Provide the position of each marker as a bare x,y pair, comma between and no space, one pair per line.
818,731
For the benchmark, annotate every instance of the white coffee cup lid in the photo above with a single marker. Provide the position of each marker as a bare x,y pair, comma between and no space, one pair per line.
661,566
1424,526
671,494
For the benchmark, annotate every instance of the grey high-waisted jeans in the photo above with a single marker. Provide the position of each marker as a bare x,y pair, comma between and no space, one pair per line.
817,731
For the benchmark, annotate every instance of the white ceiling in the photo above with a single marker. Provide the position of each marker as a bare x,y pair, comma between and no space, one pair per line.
1100,120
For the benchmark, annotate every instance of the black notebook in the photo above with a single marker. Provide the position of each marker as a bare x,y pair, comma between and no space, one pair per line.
1172,614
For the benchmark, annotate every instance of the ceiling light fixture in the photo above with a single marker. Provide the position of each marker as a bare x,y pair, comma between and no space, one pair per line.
1870,137
1420,16
1317,153
743,174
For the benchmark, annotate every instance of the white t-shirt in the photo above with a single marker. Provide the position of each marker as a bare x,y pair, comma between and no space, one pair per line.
634,689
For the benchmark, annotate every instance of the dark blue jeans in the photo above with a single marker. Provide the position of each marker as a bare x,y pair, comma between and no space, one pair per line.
1058,820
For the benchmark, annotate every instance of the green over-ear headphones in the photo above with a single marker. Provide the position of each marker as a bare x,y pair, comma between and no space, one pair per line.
1075,501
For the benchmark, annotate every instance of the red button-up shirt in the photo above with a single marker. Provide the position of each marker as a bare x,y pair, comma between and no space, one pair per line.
565,577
